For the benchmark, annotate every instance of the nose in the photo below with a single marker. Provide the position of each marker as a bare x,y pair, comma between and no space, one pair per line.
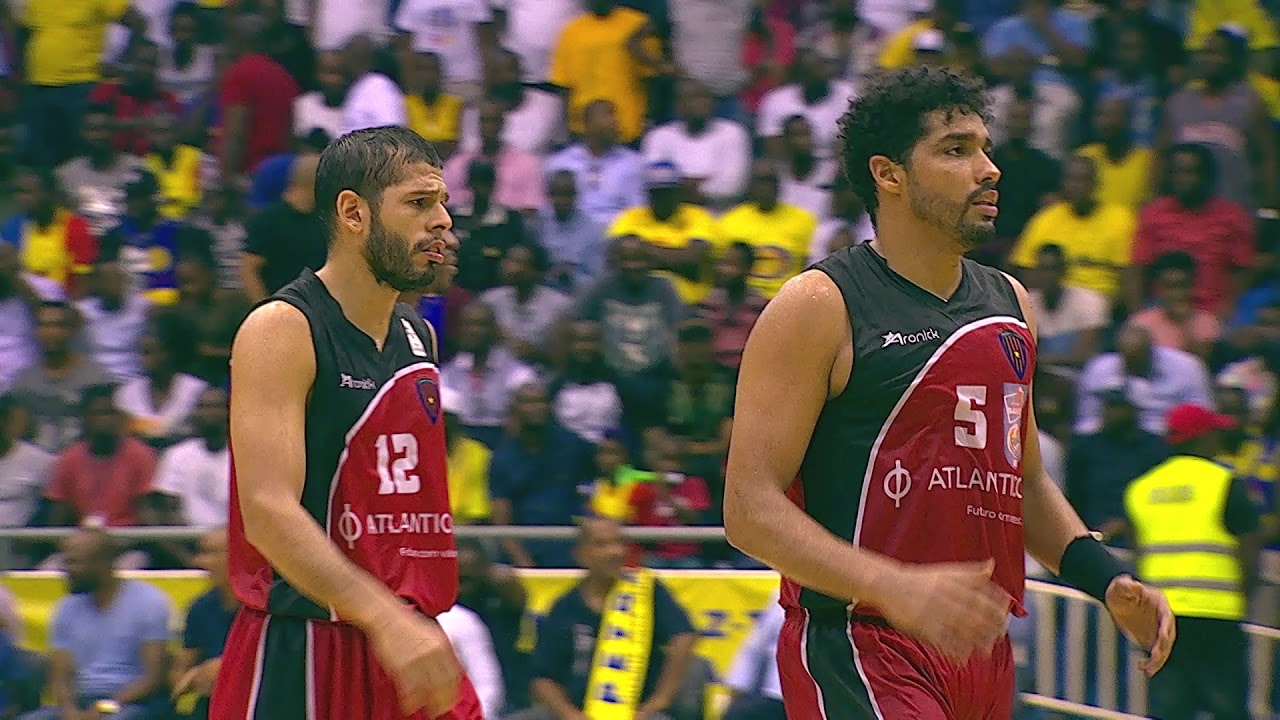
988,173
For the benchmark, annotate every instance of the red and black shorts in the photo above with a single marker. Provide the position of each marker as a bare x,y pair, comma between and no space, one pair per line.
287,668
833,668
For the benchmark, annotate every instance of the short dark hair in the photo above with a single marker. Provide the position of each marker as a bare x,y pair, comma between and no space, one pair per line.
888,118
1208,163
367,162
538,256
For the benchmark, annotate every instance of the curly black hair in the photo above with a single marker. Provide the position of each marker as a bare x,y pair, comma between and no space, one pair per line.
888,118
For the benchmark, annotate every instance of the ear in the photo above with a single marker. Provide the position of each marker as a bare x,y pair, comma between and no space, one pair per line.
887,174
352,212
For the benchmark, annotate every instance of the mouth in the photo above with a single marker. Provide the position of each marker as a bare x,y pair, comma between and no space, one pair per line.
434,253
986,204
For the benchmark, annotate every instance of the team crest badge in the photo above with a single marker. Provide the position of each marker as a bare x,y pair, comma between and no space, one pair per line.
1015,403
1016,351
429,394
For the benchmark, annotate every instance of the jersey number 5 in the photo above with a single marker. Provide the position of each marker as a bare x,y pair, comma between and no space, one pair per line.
395,474
969,401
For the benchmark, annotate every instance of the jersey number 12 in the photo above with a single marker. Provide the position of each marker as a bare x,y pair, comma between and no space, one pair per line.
395,474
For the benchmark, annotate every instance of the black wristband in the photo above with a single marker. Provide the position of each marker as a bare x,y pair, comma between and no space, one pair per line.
1088,566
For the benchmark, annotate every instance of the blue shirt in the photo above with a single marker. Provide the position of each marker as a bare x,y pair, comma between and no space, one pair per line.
1143,96
606,185
208,624
578,243
1177,377
270,180
542,487
1101,466
150,256
106,645
1015,32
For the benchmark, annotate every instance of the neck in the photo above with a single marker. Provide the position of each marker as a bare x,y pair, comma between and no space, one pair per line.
596,588
802,164
58,359
162,378
365,302
480,204
597,146
1122,432
6,444
918,251
481,355
101,159
736,290
43,216
183,52
815,91
562,214
524,292
166,153
665,213
1178,312
104,445
1217,86
228,595
1193,202
431,94
1084,207
490,146
106,592
1118,147
697,126
1052,295
111,303
532,437
216,441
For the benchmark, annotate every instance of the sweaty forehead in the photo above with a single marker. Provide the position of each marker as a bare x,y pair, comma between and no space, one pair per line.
941,124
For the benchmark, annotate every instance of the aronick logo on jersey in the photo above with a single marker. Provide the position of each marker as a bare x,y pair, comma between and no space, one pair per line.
897,338
346,380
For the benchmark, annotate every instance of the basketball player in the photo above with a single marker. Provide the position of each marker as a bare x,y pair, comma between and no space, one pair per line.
340,539
884,455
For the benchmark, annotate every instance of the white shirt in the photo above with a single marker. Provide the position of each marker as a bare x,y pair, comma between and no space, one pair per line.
1078,309
535,126
338,22
310,112
447,27
819,247
156,13
824,116
812,192
474,648
759,652
721,154
200,479
373,101
533,27
1053,117
113,336
134,399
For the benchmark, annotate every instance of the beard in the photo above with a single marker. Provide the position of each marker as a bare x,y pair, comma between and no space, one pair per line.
950,217
390,259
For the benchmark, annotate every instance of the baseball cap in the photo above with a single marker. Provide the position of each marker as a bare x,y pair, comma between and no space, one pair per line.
1188,422
662,175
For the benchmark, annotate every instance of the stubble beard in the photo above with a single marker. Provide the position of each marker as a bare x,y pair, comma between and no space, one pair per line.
390,260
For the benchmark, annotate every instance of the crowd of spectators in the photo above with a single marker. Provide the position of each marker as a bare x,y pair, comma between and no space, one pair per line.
631,182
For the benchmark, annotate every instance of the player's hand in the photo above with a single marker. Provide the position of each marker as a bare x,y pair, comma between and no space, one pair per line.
418,656
1144,616
952,606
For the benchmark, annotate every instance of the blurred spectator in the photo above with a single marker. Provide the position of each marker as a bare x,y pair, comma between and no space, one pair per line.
807,180
1056,39
527,310
24,470
781,254
565,659
176,167
62,56
460,31
10,169
733,306
136,97
518,175
468,468
1030,176
752,679
145,242
108,637
333,23
287,42
95,178
610,176
195,474
1163,55
605,54
713,154
608,495
672,499
848,220
474,647
1131,78
114,314
322,108
496,594
899,47
433,113
256,97
1225,114
838,30
815,95
1070,319
1122,166
187,66
1153,378
158,404
1249,15
767,53
485,373
575,242
1055,107
52,241
1216,232
534,477
485,227
699,405
1173,320
584,397
373,99
707,41
1102,463
530,29
21,296
1096,236
208,622
52,389
676,234
286,237
533,119
212,314
107,478
222,216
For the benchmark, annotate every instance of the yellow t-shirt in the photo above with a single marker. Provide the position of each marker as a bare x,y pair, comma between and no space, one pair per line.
593,62
179,181
899,50
47,253
438,122
689,223
468,468
1125,182
67,39
1208,15
1092,244
780,238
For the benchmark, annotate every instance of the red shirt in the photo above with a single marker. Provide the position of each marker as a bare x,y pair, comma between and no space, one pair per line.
128,110
266,91
1218,236
731,325
108,487
651,509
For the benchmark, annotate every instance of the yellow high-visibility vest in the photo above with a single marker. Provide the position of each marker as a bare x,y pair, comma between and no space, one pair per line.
1184,547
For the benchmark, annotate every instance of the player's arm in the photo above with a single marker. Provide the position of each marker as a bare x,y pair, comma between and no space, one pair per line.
273,367
797,356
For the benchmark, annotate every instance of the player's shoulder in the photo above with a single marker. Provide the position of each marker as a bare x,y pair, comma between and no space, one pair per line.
276,331
807,303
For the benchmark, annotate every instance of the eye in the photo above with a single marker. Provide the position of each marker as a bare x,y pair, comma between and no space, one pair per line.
956,151
419,202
